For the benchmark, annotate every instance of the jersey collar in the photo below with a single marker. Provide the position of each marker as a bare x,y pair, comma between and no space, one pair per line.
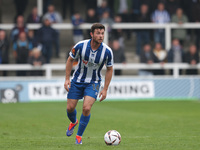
99,48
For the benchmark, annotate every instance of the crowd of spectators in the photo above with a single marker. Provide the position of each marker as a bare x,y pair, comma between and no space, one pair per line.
149,46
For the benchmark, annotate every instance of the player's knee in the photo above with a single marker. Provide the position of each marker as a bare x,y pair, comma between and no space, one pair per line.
86,110
70,109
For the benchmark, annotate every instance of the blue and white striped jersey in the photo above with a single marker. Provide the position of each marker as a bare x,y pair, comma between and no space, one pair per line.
90,62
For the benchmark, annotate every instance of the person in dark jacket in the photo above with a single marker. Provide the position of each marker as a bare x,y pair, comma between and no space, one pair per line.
148,57
34,17
4,50
143,36
22,49
18,28
37,60
192,58
91,17
46,36
175,54
118,54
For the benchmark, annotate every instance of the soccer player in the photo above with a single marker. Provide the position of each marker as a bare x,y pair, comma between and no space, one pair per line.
92,55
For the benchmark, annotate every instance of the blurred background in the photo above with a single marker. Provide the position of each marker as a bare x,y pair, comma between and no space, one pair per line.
150,39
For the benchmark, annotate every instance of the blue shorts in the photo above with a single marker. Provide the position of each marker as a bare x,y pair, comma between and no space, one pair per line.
79,90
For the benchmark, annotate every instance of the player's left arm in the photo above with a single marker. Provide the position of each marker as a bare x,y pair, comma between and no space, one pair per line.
108,78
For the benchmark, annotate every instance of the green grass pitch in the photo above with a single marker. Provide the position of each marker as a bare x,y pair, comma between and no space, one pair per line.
144,125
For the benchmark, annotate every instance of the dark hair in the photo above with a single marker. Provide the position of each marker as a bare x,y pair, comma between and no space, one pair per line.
97,26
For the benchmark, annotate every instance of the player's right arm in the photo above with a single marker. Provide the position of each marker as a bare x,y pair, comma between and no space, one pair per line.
69,65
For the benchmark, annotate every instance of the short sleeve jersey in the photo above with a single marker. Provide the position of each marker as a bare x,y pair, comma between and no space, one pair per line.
90,62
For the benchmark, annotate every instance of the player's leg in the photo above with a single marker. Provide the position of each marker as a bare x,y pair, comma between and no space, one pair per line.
71,113
75,93
90,95
85,117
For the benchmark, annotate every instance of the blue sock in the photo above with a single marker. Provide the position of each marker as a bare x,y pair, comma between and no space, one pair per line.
72,116
83,124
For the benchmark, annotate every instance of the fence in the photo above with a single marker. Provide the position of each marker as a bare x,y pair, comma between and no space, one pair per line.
48,68
168,27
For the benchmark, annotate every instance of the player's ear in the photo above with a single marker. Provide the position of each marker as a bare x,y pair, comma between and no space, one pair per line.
91,34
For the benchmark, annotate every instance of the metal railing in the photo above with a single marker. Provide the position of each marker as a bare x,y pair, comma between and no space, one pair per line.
168,28
49,68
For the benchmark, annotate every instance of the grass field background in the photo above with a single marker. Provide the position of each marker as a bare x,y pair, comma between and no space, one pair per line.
163,125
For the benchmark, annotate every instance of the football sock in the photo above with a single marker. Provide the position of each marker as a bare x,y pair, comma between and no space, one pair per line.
72,116
83,124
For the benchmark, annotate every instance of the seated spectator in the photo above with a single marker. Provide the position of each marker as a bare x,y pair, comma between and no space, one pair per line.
22,49
54,17
78,33
147,56
179,18
118,33
37,60
160,16
106,19
135,10
91,17
46,35
19,27
119,56
192,58
143,36
4,50
161,55
104,7
176,53
33,17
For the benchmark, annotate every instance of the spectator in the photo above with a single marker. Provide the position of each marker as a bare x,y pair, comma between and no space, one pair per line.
22,48
54,17
46,35
67,4
179,18
123,8
172,6
192,58
147,56
175,54
161,55
119,56
4,50
46,3
32,38
77,33
136,7
33,17
118,33
106,19
19,27
20,7
91,17
160,16
143,36
37,60
104,7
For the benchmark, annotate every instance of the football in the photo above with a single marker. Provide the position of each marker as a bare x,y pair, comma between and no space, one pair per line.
112,137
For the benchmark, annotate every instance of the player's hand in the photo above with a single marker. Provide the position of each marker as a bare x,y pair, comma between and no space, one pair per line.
67,84
103,94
